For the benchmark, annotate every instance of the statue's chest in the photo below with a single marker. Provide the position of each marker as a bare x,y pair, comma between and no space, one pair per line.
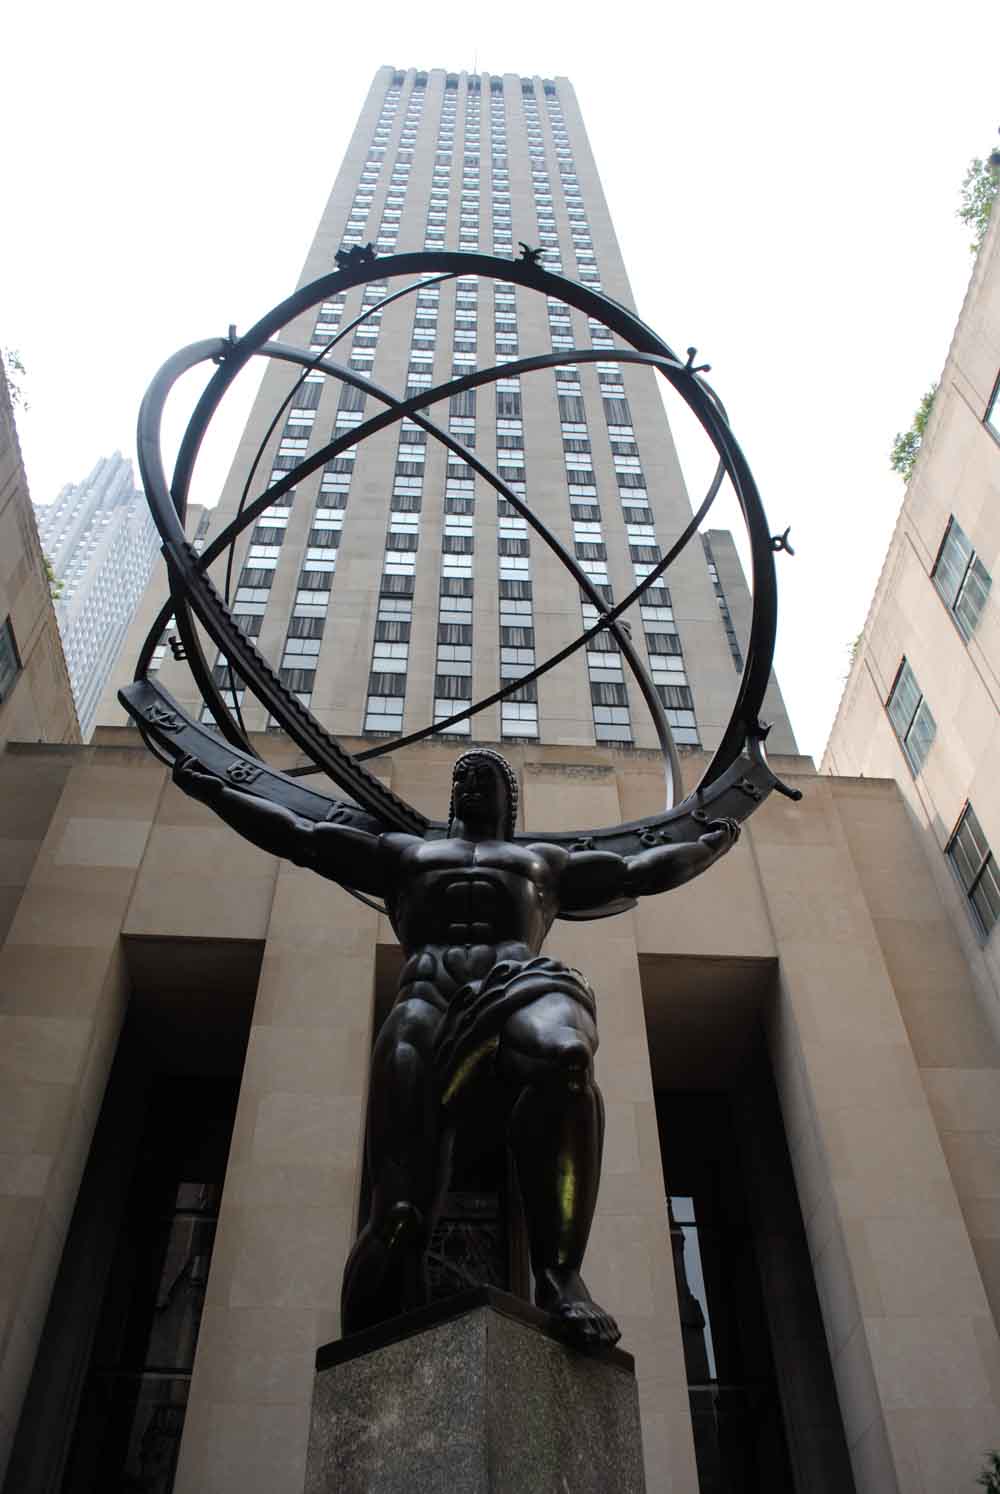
474,908
462,894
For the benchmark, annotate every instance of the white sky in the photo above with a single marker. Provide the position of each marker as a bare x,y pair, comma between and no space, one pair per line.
783,179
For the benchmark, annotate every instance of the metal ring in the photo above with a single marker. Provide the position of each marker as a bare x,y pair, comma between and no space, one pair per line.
194,596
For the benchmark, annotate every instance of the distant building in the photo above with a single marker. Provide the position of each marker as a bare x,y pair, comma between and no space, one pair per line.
101,542
36,704
922,700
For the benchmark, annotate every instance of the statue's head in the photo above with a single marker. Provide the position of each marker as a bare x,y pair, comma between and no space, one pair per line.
484,790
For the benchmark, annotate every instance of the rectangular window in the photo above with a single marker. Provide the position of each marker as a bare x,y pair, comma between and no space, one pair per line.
519,718
390,658
394,609
961,578
445,708
399,561
384,714
976,868
10,659
911,719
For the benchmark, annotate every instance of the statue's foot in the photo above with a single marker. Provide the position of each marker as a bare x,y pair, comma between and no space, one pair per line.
562,1293
383,1276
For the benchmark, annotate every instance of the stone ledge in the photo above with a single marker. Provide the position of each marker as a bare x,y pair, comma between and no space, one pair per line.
342,1350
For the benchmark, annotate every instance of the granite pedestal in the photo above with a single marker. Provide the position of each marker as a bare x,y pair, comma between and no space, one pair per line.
475,1395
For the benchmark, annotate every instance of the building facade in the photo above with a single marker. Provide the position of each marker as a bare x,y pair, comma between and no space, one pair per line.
101,543
922,701
796,1222
36,704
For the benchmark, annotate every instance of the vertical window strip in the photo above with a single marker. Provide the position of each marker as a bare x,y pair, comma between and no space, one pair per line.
911,717
961,579
975,866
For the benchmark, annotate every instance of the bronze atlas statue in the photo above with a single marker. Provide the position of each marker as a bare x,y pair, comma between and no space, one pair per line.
484,1024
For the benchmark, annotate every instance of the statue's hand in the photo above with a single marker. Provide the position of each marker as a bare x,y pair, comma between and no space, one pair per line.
195,781
721,836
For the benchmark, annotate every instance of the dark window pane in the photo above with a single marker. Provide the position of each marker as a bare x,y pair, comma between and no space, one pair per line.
608,694
903,701
972,596
306,627
385,684
10,661
949,572
453,687
663,643
920,736
986,896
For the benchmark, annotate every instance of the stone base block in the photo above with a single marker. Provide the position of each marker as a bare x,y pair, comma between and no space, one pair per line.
475,1395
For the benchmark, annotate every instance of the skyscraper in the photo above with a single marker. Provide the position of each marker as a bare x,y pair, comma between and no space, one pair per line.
100,540
392,587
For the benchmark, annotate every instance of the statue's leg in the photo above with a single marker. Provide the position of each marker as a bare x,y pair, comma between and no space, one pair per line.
407,1163
556,1134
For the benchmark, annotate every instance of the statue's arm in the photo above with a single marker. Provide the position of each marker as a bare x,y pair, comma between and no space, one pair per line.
589,878
335,851
663,867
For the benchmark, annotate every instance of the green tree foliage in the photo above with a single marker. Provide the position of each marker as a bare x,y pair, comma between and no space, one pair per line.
979,189
55,585
908,443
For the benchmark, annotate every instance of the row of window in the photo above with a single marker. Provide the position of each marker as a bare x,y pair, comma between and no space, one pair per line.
388,231
963,584
519,712
606,679
663,644
724,613
473,85
390,645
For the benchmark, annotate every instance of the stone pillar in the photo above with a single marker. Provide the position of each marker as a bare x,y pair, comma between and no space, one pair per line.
289,1205
913,1343
63,991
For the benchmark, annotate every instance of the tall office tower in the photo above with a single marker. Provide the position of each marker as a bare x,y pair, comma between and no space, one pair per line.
101,543
392,586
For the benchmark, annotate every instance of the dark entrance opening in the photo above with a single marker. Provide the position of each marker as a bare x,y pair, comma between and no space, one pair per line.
739,1432
134,1396
764,1406
106,1402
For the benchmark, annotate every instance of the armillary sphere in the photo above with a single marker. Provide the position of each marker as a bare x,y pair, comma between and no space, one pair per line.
737,778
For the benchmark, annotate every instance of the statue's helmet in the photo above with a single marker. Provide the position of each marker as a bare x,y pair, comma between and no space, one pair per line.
506,774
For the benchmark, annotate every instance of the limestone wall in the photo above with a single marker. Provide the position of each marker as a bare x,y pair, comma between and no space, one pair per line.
824,925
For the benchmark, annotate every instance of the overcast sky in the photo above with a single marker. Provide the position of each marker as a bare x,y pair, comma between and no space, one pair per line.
783,179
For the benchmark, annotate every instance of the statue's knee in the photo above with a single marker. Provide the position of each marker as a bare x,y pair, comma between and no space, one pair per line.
571,1058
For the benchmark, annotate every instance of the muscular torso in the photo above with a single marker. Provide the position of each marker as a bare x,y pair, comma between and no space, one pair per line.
471,903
